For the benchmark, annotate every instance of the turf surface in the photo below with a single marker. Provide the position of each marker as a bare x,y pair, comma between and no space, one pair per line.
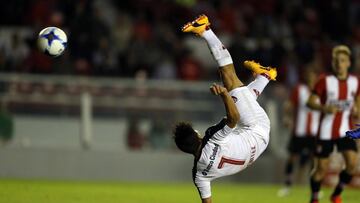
24,191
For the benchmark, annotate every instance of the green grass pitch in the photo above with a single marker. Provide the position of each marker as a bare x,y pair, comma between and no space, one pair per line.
26,191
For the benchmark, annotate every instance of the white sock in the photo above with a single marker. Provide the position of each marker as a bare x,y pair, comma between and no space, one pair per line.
258,85
218,50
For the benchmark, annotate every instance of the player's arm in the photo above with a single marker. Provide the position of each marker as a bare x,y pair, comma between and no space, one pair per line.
231,110
314,104
320,91
206,200
204,188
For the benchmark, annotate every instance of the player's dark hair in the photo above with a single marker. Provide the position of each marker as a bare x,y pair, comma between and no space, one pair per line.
185,137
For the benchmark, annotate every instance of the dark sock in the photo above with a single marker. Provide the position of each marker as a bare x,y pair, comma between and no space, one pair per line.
344,179
304,158
315,188
288,173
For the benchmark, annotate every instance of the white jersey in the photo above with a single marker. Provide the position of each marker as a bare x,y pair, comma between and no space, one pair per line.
226,151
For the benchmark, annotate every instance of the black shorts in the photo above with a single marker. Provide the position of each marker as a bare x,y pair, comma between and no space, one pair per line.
325,147
301,145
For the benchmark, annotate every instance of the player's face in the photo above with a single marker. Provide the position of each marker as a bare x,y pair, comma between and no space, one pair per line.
341,64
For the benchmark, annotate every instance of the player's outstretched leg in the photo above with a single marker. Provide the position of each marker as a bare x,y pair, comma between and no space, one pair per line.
250,111
201,27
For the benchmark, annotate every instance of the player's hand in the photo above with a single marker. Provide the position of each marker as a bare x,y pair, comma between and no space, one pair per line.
331,109
218,89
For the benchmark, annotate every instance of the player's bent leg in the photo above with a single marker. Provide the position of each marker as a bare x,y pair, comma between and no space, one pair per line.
263,76
229,77
251,113
258,85
268,72
253,116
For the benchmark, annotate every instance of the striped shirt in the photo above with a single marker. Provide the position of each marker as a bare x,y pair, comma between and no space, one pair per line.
340,93
306,120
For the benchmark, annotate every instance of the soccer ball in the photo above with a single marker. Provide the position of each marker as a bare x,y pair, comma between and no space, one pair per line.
52,41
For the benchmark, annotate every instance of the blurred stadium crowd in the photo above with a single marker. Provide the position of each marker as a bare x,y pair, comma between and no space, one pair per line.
130,38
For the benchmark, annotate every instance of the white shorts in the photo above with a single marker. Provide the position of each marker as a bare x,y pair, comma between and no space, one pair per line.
253,118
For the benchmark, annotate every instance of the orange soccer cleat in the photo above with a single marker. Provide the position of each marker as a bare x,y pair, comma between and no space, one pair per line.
198,26
259,69
336,199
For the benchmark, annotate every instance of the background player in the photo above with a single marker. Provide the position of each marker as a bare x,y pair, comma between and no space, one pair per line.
238,140
304,123
339,96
